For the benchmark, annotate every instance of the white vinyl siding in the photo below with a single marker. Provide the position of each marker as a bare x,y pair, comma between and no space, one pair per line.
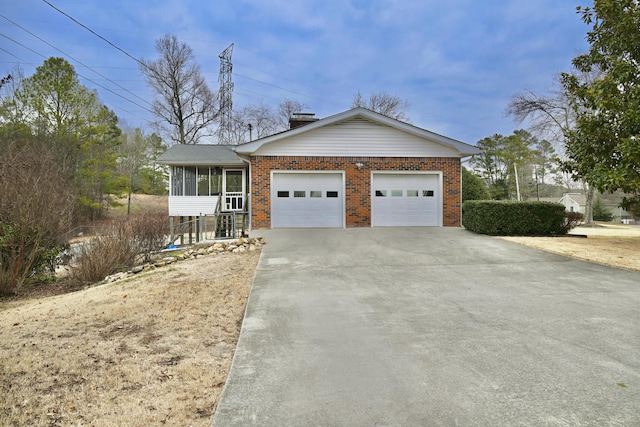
356,137
192,205
406,199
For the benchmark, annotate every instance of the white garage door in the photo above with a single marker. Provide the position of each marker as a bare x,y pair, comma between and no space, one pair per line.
307,200
405,200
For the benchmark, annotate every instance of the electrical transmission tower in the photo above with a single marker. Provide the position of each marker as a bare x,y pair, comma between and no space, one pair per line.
226,95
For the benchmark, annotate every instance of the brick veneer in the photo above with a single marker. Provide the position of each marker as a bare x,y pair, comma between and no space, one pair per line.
357,183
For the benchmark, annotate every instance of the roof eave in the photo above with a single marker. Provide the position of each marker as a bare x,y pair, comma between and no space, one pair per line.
463,148
241,162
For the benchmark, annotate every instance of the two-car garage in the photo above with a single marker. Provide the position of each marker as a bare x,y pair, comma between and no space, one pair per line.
318,199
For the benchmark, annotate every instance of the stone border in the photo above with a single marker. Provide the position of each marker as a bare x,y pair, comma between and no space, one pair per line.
218,248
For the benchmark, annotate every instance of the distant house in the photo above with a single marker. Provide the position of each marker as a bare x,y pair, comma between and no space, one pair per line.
574,202
353,169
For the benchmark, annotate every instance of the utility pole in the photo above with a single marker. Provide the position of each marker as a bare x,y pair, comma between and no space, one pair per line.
515,169
226,95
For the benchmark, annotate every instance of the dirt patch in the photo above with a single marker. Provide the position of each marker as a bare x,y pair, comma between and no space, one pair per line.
615,245
152,350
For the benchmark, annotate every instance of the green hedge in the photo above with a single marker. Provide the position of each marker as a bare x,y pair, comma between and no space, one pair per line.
514,218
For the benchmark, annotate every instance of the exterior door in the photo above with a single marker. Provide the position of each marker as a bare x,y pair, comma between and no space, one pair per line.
234,189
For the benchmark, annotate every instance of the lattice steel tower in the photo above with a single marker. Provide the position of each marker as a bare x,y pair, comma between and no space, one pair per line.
226,95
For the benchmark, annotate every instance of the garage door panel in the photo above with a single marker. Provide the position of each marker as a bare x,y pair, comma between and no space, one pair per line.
307,200
405,200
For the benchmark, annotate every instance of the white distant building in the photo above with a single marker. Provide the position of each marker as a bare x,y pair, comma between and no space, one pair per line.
574,202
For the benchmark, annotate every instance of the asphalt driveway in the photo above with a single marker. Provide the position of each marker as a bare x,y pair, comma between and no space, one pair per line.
432,326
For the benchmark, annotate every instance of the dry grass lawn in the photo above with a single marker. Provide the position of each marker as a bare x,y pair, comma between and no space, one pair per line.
156,349
151,350
615,245
142,203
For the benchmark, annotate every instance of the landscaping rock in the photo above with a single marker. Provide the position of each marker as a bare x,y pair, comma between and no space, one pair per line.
218,248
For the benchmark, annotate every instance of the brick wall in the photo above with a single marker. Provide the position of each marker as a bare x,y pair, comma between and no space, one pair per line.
358,185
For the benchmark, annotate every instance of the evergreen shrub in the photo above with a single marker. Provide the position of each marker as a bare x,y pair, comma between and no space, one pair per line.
514,218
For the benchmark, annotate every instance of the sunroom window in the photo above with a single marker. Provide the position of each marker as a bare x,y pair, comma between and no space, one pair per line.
196,181
177,180
190,181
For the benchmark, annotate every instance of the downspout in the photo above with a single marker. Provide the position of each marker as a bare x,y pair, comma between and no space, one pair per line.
249,204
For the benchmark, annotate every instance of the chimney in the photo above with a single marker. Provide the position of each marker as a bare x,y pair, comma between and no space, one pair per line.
301,119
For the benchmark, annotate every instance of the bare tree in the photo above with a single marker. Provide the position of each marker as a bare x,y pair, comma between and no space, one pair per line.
259,120
262,119
383,103
551,115
251,122
286,110
185,105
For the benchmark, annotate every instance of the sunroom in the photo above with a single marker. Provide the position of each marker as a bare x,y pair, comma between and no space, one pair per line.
206,190
206,181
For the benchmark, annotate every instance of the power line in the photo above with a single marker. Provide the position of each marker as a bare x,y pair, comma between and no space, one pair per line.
79,62
17,57
146,67
86,78
20,44
96,34
100,37
280,87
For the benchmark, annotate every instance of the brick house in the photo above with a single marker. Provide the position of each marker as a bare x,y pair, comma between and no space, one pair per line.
353,169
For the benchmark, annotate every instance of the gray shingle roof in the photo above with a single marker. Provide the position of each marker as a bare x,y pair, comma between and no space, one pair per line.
580,199
200,154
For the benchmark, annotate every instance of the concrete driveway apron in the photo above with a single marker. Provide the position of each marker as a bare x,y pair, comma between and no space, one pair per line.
432,326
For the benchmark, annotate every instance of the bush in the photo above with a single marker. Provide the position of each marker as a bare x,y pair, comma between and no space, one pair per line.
112,251
36,208
149,232
120,247
514,218
571,220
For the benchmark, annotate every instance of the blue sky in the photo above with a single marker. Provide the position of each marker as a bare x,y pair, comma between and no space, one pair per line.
457,62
